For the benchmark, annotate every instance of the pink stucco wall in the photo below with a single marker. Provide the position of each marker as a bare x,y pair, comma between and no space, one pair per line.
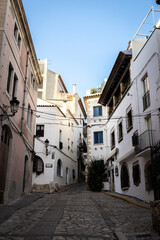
10,53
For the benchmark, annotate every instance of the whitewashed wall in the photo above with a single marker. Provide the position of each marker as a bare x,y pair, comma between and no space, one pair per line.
144,61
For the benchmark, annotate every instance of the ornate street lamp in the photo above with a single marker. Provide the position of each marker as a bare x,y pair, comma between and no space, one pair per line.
14,104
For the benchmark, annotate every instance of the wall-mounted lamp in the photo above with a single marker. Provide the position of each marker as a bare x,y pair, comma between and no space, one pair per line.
14,104
46,145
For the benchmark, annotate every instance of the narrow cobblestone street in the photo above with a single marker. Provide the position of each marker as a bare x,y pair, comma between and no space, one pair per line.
77,214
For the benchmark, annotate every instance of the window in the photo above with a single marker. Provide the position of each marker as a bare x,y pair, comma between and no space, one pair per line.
72,127
10,76
129,122
97,111
120,131
136,174
5,135
40,130
29,117
112,139
124,177
59,168
15,31
72,147
135,139
146,95
148,176
98,137
15,84
38,165
17,36
60,140
33,81
19,41
12,82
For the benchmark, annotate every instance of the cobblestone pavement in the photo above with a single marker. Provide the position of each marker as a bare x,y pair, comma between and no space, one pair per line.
78,214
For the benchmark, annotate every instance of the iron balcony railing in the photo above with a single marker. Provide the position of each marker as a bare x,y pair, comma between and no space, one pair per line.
146,140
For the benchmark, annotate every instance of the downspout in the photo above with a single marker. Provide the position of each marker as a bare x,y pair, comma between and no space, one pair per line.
24,96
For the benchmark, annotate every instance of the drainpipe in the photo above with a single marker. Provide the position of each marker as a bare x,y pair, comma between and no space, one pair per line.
24,96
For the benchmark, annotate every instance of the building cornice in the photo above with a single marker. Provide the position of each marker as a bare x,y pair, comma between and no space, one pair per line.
92,96
119,67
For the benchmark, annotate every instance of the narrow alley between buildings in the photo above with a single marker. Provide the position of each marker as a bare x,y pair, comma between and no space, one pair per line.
78,214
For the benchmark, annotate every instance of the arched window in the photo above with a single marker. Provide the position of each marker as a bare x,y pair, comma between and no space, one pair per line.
38,165
136,174
6,135
148,176
124,176
59,168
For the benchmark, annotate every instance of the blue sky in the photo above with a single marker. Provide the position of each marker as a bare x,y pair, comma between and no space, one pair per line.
82,38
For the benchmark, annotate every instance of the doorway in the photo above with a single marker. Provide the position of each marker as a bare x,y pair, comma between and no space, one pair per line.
4,154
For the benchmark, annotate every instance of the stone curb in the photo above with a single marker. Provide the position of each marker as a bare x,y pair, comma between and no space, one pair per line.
127,200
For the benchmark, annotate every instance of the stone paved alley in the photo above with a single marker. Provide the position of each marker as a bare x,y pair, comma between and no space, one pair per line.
75,213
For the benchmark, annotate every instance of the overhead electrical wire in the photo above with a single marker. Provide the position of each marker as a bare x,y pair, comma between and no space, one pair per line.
40,140
91,118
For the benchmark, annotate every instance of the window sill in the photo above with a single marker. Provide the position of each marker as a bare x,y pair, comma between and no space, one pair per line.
59,176
8,95
125,188
112,147
119,140
136,184
97,144
129,129
145,108
98,116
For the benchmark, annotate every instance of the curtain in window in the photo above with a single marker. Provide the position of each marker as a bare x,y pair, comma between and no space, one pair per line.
97,111
98,137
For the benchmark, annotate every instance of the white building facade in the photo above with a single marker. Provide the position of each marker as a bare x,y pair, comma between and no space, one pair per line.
96,130
59,136
132,97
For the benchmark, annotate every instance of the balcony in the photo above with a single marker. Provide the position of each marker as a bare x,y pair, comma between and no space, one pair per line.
146,140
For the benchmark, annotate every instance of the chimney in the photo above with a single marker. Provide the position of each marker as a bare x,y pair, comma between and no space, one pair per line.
74,88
